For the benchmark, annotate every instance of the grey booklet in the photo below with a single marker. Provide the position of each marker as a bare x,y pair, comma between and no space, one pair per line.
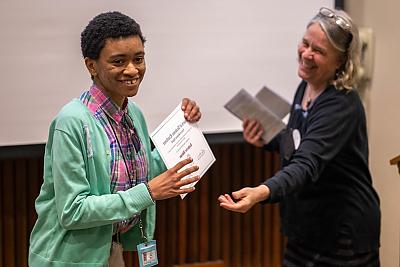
266,106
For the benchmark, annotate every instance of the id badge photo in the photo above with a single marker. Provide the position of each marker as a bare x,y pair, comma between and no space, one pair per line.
147,253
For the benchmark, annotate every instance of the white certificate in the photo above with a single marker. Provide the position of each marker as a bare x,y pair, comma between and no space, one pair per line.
177,139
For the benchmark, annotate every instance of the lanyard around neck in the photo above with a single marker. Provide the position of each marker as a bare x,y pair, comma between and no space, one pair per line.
141,226
122,153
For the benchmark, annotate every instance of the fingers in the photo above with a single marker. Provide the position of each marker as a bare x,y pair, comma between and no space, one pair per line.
226,198
184,103
246,123
256,131
195,115
166,186
187,171
186,185
252,132
181,164
226,202
187,181
179,174
229,199
185,190
251,128
230,207
239,194
243,200
191,110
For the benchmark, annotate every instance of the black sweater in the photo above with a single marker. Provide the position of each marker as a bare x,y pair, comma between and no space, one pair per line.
325,186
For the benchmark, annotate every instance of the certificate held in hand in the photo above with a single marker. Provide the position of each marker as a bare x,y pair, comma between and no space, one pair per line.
176,139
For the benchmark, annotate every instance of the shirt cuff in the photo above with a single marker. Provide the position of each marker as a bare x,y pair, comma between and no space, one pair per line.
273,189
150,193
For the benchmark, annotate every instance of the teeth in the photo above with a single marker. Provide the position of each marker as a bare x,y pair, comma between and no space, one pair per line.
307,65
130,81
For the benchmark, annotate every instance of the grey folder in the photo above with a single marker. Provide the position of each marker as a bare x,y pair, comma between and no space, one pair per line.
266,106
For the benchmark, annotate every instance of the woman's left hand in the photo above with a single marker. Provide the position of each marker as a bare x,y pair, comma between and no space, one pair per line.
191,110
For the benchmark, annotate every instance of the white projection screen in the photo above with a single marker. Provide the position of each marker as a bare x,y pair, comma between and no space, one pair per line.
206,50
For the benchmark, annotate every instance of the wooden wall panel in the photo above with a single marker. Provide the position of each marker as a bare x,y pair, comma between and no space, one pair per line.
8,212
2,215
195,229
20,193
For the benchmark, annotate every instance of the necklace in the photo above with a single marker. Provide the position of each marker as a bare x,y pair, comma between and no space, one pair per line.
308,100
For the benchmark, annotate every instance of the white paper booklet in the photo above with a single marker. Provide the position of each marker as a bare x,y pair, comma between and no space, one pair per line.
267,107
177,139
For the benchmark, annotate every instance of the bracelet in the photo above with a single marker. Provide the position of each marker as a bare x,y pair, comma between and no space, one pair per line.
150,193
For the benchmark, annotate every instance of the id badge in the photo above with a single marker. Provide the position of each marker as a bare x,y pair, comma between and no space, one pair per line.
147,254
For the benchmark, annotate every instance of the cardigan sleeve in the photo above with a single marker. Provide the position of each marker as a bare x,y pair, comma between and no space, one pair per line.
331,124
158,164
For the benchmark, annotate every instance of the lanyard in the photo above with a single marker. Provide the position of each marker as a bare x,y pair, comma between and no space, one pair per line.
144,237
129,177
122,153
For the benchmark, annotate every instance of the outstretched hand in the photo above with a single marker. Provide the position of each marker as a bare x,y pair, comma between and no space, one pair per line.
191,110
245,198
252,132
169,183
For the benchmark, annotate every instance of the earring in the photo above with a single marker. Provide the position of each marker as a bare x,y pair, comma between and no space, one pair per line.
337,74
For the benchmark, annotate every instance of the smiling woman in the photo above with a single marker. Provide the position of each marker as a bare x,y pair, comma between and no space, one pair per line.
330,211
101,177
120,68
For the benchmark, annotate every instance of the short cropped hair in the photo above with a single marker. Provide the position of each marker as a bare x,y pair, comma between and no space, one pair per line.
347,43
104,26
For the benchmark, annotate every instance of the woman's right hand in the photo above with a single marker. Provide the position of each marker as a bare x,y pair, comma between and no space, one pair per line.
244,199
169,183
252,132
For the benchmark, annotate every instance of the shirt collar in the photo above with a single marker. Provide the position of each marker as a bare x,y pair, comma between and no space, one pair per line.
107,105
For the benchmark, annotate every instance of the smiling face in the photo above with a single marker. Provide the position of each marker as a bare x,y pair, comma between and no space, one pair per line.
120,68
318,59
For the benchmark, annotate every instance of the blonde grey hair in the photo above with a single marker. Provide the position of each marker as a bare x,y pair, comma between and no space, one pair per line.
346,42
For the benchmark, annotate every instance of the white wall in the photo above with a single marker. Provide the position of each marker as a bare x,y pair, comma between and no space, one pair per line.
207,50
383,114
